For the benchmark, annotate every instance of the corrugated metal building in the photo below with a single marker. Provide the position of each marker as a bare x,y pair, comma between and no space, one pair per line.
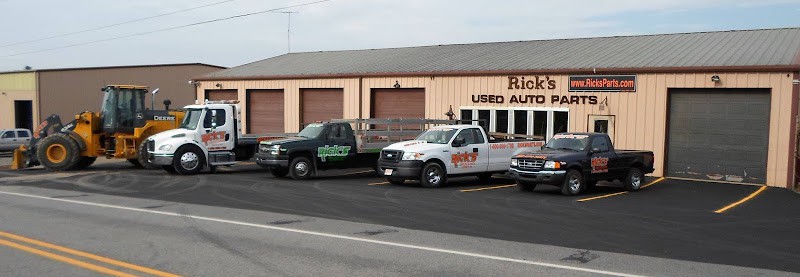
30,96
713,105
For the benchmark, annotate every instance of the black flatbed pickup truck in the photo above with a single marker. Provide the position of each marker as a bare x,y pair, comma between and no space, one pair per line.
576,161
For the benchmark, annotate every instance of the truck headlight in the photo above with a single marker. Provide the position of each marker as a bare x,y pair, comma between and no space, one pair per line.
165,147
275,149
514,162
552,165
410,156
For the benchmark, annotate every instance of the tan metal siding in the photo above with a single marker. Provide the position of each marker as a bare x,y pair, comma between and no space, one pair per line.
68,92
640,117
265,111
13,87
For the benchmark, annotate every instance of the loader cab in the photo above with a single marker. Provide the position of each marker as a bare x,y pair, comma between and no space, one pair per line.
122,106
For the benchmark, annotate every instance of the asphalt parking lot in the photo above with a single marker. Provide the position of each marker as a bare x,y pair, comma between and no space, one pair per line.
672,219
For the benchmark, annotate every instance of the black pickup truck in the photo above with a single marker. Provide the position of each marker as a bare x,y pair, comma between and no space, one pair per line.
576,161
336,145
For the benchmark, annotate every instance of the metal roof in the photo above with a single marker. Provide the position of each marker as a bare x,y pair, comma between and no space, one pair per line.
741,48
112,67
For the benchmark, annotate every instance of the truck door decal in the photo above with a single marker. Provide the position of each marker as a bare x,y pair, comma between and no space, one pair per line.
599,165
332,153
213,137
464,160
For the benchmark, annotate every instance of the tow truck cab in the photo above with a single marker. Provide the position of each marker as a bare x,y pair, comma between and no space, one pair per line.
210,135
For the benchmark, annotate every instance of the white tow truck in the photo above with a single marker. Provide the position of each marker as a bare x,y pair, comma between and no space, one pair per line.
210,135
451,150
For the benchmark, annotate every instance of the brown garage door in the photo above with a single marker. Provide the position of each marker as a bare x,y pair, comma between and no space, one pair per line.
321,105
221,94
398,103
265,111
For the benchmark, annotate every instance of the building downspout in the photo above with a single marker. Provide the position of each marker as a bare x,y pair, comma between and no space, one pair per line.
794,140
360,97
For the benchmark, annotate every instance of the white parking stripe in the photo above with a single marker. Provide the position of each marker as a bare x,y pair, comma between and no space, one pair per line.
403,245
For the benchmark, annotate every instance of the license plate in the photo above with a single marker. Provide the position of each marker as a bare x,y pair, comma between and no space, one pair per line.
388,171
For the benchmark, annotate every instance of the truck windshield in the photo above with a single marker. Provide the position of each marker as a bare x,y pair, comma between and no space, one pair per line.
191,119
312,130
568,142
440,136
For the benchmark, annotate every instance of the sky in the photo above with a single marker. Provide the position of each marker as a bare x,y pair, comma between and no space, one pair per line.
33,32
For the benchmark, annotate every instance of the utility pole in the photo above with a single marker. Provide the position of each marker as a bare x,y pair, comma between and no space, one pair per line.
289,30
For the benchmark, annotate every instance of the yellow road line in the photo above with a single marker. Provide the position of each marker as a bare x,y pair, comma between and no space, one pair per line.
734,204
376,184
654,182
63,259
488,188
602,196
88,255
619,193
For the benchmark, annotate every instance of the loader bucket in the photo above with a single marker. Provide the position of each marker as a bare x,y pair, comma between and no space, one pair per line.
19,161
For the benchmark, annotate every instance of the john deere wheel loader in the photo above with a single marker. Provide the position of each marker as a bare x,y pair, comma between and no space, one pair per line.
118,131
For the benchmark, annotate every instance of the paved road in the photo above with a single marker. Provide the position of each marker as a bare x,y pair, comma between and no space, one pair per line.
230,223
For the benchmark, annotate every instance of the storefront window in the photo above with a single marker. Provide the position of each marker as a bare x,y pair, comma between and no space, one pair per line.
483,116
540,123
466,115
560,122
543,123
521,122
501,121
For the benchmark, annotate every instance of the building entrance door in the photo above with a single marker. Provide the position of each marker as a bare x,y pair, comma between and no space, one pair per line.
23,114
602,124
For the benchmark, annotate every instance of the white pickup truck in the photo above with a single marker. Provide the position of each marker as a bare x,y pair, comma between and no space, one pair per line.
451,150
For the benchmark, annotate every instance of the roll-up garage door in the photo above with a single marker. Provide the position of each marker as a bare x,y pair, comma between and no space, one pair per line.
719,134
398,103
265,111
321,105
221,94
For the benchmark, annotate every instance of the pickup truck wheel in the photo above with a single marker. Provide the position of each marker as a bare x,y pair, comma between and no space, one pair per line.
188,161
433,176
573,183
523,186
279,172
633,181
301,168
396,181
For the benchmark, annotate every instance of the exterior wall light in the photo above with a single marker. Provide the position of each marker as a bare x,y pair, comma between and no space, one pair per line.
396,84
715,78
218,85
450,114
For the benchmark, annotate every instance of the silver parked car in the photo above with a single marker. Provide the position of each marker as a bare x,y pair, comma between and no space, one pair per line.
11,139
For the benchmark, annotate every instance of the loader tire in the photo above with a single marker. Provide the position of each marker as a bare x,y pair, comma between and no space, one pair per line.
141,154
58,152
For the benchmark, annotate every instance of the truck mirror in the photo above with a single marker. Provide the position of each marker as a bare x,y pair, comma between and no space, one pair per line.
213,119
458,142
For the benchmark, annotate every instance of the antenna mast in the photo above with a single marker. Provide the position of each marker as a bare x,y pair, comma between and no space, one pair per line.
289,30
